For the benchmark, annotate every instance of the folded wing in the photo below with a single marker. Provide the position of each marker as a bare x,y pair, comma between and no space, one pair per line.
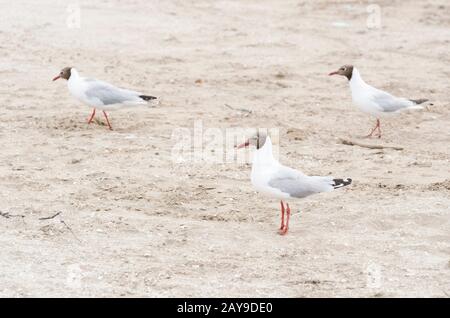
389,103
108,94
299,185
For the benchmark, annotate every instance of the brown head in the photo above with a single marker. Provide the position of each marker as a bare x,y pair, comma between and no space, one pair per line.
258,140
65,73
346,70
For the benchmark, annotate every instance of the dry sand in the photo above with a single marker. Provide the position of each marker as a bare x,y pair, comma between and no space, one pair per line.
135,223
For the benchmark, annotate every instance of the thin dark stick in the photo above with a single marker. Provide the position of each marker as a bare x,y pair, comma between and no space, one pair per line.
50,217
68,227
7,215
239,109
355,143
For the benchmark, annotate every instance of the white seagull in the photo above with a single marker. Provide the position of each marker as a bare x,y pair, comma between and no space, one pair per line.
372,100
99,94
272,179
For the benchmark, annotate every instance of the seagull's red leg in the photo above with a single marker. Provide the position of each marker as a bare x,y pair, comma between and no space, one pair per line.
379,128
107,120
373,130
288,215
282,215
92,116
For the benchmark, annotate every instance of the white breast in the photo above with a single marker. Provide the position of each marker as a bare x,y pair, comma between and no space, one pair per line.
77,88
361,95
264,166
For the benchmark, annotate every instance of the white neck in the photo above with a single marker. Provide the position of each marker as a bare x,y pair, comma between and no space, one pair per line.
74,73
356,78
74,79
357,85
264,165
264,154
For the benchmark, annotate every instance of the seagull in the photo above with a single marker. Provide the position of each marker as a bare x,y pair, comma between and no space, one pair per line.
372,100
99,94
275,180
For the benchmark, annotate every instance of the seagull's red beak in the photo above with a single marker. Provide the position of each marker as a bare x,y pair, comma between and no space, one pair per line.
57,77
244,145
333,73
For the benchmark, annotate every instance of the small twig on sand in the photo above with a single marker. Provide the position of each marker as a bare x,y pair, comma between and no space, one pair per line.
201,186
355,143
62,221
68,227
50,217
239,109
7,215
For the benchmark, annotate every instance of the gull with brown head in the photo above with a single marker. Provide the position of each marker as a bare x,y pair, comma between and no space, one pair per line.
99,94
275,180
373,101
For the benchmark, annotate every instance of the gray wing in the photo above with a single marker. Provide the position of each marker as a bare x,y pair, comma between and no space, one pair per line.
109,94
299,185
389,103
292,187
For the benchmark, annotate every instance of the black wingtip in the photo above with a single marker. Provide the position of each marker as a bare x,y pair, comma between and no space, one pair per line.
339,183
146,97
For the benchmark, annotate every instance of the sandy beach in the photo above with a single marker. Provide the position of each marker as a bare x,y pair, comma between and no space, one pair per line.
85,211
